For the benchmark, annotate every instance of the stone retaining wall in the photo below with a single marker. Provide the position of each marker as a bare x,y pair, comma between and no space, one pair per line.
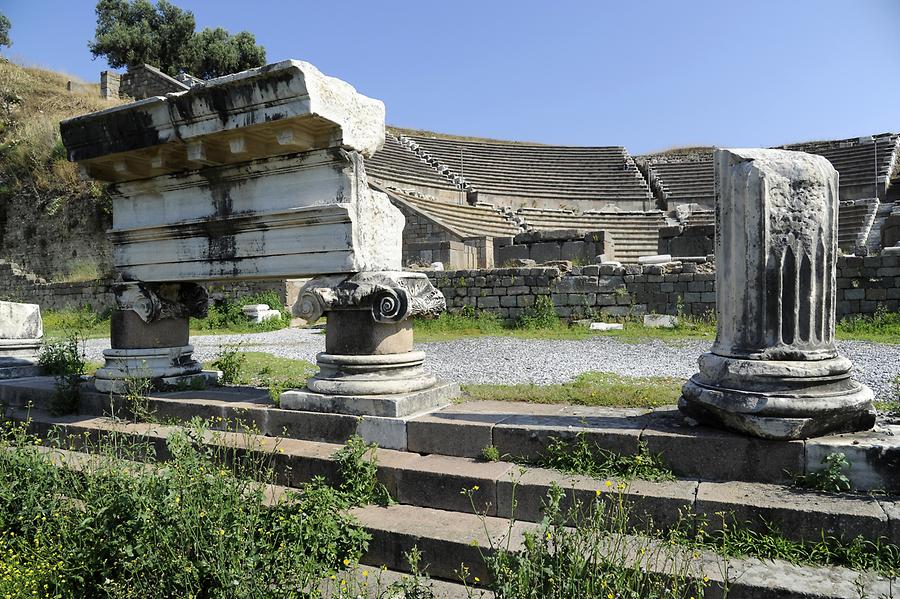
864,286
98,295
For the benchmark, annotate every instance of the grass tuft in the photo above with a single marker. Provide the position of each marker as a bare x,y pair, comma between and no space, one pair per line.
588,389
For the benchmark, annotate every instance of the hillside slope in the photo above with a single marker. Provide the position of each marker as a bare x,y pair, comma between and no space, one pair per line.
51,222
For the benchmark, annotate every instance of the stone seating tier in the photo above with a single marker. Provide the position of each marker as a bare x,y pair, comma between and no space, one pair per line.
855,161
702,217
395,162
468,220
527,170
686,181
634,234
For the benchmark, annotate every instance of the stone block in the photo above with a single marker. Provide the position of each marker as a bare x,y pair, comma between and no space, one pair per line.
660,321
529,436
545,252
686,449
436,481
796,514
391,406
20,321
489,302
332,222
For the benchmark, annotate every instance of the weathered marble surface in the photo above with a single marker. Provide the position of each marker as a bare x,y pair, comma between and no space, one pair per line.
254,175
774,370
21,332
238,116
20,321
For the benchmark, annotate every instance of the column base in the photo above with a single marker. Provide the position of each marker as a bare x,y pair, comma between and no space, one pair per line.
167,366
395,405
780,400
376,374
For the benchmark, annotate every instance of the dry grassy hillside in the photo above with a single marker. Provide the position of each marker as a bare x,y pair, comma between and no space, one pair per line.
51,222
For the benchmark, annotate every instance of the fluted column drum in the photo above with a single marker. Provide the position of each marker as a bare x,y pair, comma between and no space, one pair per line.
774,370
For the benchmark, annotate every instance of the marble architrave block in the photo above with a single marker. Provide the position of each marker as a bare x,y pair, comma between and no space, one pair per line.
21,334
286,217
774,370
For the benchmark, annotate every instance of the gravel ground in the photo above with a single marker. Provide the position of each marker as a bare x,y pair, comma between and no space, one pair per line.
506,360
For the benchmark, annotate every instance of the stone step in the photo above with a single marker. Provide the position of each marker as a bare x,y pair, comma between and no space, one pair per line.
436,481
522,430
370,577
448,540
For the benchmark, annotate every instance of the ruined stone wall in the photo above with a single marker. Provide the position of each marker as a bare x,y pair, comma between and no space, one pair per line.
865,285
98,295
57,238
144,81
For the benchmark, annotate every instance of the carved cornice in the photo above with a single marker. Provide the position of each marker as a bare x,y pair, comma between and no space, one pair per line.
391,296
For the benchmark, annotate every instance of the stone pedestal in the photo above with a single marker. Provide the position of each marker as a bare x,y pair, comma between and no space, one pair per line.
369,366
774,370
21,333
149,336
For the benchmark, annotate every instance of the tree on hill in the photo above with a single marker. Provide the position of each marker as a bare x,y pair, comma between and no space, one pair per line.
214,52
4,30
132,32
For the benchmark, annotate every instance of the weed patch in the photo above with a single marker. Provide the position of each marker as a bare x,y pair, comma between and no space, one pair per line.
579,456
881,327
574,554
64,359
358,470
259,369
189,528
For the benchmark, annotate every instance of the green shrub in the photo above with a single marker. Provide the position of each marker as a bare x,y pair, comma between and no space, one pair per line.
541,315
189,528
358,471
231,362
831,478
64,359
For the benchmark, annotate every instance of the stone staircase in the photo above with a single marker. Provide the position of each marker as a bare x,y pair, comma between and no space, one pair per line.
434,459
872,240
394,162
855,218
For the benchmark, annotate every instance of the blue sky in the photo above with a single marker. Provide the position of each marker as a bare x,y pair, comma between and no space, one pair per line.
644,74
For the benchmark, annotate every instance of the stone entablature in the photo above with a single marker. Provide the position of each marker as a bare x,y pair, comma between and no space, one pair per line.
253,175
